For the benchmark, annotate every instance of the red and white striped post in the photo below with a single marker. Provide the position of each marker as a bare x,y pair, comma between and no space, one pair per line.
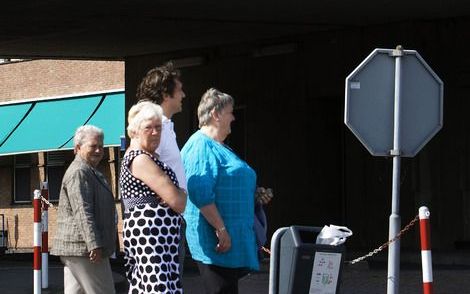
45,237
37,242
426,260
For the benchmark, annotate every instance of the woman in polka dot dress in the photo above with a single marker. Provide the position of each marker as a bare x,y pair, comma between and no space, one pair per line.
153,203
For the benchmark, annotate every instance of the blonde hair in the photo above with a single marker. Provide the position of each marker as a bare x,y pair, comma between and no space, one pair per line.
213,99
140,112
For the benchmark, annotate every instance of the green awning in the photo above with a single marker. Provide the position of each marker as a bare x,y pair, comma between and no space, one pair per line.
47,125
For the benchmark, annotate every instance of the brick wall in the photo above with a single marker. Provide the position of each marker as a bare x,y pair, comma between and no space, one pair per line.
19,224
49,78
19,217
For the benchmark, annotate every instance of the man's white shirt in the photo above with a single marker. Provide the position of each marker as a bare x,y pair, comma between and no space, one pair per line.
169,152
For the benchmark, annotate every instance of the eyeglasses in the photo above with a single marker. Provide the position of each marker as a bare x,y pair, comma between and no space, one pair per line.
150,129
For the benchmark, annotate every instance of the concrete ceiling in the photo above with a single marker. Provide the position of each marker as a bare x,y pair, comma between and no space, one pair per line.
117,29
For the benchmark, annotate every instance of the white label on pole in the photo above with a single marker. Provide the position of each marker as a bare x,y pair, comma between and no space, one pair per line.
355,85
325,273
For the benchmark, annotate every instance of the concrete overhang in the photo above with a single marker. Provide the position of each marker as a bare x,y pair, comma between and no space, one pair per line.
119,29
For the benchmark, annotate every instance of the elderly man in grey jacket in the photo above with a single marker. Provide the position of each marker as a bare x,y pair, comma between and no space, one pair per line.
86,229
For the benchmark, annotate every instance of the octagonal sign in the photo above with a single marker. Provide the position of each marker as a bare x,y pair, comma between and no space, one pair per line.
369,105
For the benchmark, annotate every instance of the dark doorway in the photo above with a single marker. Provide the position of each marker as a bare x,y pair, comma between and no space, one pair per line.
237,138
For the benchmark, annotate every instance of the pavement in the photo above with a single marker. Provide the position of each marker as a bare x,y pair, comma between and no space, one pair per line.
16,277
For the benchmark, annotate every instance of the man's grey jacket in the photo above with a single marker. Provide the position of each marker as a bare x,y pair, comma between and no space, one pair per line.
86,216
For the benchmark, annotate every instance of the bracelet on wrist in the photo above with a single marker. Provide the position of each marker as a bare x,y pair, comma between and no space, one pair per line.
220,229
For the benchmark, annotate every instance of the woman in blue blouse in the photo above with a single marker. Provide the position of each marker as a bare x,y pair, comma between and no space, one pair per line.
220,208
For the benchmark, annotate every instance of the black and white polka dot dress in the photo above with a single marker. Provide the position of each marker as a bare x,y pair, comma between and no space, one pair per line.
151,234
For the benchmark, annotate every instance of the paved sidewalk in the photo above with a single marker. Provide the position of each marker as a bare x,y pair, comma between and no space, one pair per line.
16,277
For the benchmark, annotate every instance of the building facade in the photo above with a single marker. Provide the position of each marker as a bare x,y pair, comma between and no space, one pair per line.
54,92
289,95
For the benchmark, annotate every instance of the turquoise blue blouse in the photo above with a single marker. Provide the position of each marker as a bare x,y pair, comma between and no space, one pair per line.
216,175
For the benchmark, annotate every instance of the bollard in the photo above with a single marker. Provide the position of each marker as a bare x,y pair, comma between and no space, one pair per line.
426,259
37,242
45,237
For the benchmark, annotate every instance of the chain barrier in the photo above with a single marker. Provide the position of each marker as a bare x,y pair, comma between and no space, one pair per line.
375,251
386,244
266,250
48,203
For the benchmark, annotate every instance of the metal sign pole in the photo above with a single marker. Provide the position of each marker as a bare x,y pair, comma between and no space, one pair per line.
393,277
372,115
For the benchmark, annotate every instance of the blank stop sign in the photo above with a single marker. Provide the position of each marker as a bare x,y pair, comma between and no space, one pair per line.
369,106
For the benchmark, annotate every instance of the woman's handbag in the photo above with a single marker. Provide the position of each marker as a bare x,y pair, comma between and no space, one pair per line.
260,225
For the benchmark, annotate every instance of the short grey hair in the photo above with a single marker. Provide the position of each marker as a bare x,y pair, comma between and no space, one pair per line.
84,131
142,111
215,100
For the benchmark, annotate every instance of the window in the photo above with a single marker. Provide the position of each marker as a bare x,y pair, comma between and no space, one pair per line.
54,181
55,172
22,178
